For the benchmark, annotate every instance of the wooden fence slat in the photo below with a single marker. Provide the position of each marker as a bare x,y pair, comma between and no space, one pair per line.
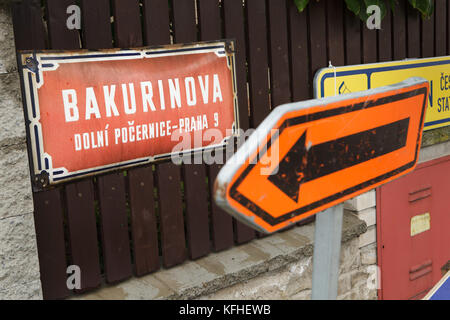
194,175
428,37
385,39
209,20
96,22
128,33
29,35
48,221
60,36
440,27
221,221
168,179
279,53
156,22
448,30
317,31
335,29
143,220
413,22
399,30
48,211
234,29
257,61
234,21
369,39
352,38
185,28
81,214
114,225
300,80
83,232
171,215
197,224
127,23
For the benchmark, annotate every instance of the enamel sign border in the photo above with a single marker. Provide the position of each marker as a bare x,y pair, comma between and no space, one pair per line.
31,67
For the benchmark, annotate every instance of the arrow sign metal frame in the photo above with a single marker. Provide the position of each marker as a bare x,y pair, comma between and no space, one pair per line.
308,156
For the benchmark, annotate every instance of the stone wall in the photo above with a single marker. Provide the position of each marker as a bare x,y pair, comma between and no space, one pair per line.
356,280
19,266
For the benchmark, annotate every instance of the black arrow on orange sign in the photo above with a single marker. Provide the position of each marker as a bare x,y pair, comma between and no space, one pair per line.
331,156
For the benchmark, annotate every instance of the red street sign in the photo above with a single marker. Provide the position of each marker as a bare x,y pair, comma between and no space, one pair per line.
95,111
308,156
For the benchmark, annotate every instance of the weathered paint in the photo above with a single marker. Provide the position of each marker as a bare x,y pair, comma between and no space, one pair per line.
95,111
340,80
308,156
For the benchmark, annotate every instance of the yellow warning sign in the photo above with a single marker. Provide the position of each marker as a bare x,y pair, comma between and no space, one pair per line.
341,80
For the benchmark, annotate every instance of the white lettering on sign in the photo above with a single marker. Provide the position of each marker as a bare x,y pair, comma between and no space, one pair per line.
190,85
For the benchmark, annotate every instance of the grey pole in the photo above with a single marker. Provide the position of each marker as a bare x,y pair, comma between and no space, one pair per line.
327,248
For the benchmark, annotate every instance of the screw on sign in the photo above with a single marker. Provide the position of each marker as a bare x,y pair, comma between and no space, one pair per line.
308,156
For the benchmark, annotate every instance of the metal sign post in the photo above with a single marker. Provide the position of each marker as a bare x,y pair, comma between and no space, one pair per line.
327,250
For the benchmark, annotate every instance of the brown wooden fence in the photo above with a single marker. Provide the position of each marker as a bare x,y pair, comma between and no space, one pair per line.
133,222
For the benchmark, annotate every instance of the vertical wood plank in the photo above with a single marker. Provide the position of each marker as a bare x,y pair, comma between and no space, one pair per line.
369,39
83,232
385,39
279,53
257,61
127,23
413,21
171,215
48,211
234,21
60,36
399,31
197,224
143,220
221,223
448,30
352,38
440,27
194,175
233,12
185,28
428,36
298,29
79,196
335,29
156,22
168,178
114,225
96,24
234,27
209,19
48,221
128,33
29,33
317,34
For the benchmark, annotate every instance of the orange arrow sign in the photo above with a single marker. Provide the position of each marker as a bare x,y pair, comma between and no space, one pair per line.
306,157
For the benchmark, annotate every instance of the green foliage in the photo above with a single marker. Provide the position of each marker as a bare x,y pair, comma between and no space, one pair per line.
359,7
301,4
426,7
